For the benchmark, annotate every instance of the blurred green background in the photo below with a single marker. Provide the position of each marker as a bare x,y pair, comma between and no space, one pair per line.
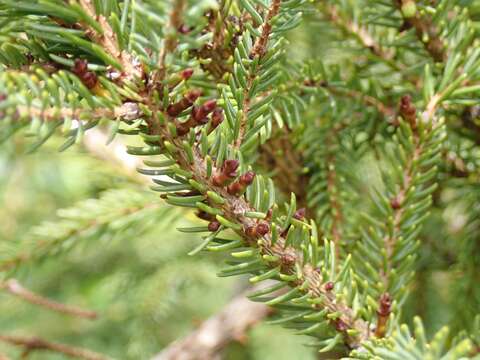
135,274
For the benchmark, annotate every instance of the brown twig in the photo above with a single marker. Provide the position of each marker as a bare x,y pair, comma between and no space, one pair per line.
132,68
230,324
359,32
15,288
31,344
127,111
170,43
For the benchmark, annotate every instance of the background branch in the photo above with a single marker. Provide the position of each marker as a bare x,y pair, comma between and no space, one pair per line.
214,334
31,344
15,288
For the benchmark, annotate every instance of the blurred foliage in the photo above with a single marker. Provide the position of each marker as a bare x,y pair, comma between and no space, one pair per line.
145,288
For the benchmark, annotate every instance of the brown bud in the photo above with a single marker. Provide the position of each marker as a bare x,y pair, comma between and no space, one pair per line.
183,29
258,230
329,286
341,325
199,114
183,128
395,203
187,74
230,167
187,101
383,312
385,305
80,66
263,228
408,111
250,231
213,226
227,173
217,118
239,187
88,78
269,214
299,214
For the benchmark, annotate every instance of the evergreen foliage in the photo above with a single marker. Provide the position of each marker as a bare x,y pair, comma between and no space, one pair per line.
330,146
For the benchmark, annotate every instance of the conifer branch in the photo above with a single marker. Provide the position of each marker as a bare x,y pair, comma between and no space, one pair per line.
288,258
258,51
15,288
33,344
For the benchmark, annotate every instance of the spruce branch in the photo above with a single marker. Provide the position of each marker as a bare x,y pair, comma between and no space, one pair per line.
258,51
289,259
33,344
15,288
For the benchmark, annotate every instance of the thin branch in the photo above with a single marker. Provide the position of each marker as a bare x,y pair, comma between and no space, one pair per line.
127,111
259,49
15,288
170,42
214,334
132,69
31,344
360,33
426,31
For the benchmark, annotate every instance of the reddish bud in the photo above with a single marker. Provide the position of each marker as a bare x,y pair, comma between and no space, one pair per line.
88,78
227,173
300,214
193,95
183,29
247,178
187,74
395,203
408,111
341,325
80,66
217,118
329,286
262,228
230,167
385,305
258,230
239,187
213,226
199,114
